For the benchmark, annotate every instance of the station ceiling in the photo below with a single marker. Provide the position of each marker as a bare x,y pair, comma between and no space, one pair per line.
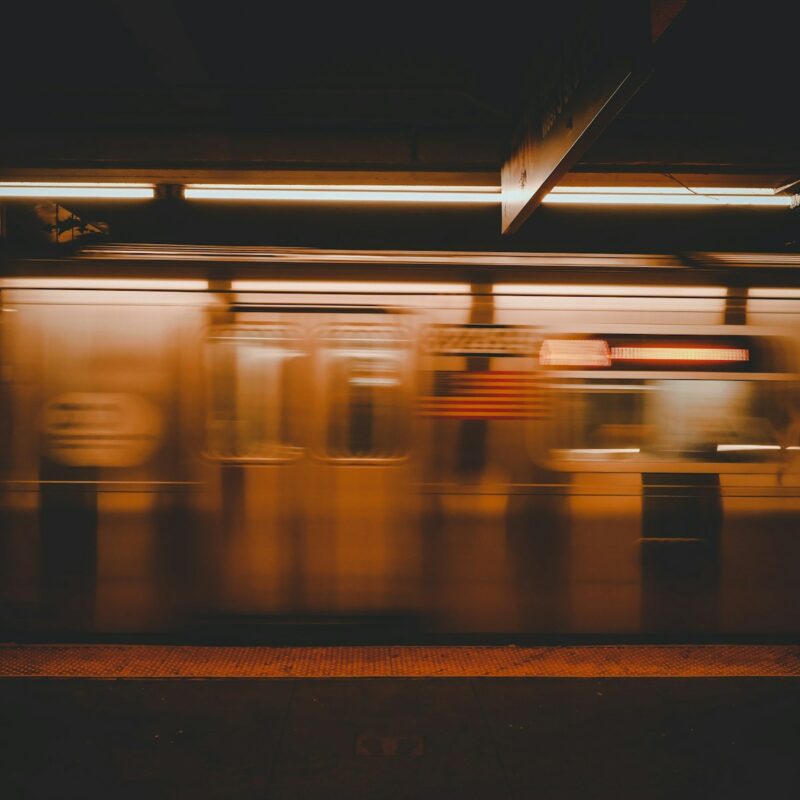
120,88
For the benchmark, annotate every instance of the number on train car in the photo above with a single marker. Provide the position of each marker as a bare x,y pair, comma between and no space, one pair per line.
488,341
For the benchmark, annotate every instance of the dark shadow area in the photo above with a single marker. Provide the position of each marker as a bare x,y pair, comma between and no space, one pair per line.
512,738
345,226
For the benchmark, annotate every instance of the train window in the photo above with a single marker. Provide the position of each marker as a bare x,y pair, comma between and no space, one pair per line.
670,420
366,415
251,374
665,398
714,420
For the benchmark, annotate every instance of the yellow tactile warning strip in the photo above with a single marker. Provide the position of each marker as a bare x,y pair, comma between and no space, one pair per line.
617,661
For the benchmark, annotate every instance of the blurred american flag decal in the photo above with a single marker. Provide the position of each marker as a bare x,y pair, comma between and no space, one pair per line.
489,394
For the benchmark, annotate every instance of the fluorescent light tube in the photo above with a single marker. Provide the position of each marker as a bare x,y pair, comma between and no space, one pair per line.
89,191
666,196
345,193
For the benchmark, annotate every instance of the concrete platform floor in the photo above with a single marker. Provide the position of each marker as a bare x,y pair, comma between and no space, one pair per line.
544,738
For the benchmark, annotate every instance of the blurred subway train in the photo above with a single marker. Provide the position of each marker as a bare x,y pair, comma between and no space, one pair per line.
229,439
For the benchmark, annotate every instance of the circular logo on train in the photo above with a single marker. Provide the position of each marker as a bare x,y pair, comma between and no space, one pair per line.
100,429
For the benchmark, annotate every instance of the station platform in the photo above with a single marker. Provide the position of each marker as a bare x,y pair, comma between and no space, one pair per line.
604,661
134,721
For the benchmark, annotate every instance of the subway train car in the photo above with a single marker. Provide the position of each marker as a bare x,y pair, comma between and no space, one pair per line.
221,440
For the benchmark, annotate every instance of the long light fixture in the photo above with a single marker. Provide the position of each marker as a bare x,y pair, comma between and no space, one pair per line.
386,193
592,195
88,191
668,196
343,193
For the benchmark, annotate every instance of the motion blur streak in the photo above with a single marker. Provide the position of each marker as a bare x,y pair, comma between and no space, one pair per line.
574,353
593,290
678,354
157,284
350,287
396,457
604,451
729,448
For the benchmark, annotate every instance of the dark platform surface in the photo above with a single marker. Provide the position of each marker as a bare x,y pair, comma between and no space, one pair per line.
401,738
132,661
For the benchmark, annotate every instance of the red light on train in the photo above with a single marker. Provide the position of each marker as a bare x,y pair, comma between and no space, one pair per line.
599,353
574,353
658,353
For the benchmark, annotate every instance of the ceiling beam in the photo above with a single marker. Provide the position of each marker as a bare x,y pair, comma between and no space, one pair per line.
591,69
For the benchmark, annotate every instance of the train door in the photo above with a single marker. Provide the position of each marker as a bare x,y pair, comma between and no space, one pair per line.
686,417
358,499
97,462
255,365
308,417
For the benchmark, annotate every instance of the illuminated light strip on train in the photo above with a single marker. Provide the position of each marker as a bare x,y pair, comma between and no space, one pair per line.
374,382
574,353
668,195
658,353
774,293
602,451
350,287
157,284
88,191
597,353
592,290
732,448
339,193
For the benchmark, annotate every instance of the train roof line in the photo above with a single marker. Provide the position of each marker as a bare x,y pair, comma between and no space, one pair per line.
225,253
225,264
388,257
